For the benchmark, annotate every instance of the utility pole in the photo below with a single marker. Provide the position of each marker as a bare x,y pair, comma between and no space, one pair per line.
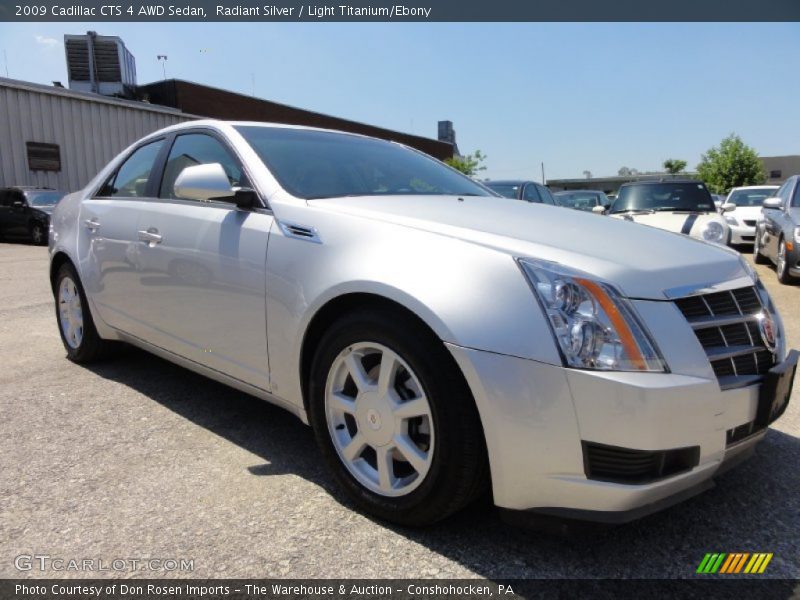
544,181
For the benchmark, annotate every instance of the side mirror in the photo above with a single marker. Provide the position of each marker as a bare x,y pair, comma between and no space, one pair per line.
599,210
773,203
210,182
726,208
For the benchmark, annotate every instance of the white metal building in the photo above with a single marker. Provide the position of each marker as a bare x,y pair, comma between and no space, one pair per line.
59,138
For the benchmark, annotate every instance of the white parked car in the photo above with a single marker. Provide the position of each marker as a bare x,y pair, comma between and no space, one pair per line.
743,209
678,206
438,341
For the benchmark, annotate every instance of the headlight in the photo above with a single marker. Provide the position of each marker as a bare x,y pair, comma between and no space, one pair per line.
731,220
714,232
593,325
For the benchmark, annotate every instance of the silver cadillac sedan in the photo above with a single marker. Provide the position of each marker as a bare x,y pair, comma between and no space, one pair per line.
440,341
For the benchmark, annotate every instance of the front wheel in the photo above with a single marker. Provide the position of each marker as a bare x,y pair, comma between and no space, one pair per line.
395,420
38,234
75,324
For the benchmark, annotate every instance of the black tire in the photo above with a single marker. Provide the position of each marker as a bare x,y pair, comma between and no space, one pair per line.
783,273
91,347
38,234
459,471
758,258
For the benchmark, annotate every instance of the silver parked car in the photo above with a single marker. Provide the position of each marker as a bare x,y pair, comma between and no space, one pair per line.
777,231
438,341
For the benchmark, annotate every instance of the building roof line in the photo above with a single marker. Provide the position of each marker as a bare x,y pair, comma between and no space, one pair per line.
89,97
174,81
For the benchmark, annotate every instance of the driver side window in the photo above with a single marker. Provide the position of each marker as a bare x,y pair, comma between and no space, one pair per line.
199,149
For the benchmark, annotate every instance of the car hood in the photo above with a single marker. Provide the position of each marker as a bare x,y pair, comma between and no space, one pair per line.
691,223
642,262
746,212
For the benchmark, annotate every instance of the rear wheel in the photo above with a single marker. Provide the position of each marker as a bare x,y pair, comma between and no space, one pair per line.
395,420
758,258
75,324
782,265
38,234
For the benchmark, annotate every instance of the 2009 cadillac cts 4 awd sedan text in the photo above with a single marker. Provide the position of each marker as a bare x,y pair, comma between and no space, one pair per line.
439,339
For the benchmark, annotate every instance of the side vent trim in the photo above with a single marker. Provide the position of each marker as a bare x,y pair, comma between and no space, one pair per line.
300,232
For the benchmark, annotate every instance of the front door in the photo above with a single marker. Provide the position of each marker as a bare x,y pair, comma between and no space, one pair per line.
202,269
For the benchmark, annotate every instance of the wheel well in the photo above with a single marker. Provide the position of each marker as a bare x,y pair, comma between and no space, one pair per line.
55,264
332,311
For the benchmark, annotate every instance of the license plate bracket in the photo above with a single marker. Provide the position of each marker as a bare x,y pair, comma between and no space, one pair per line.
773,397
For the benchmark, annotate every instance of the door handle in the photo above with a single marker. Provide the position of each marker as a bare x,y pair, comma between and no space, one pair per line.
151,236
92,224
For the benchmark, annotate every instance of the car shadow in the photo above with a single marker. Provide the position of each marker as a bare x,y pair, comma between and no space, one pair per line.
753,508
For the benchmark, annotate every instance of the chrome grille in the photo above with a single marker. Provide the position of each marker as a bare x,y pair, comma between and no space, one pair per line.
726,325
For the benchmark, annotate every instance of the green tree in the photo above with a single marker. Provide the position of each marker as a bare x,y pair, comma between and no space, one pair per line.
673,166
469,164
732,164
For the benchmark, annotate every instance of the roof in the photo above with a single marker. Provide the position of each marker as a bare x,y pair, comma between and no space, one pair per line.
90,97
509,182
578,192
660,181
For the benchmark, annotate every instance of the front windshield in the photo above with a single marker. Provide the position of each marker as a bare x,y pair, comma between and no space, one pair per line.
578,200
654,197
509,190
315,164
749,197
43,198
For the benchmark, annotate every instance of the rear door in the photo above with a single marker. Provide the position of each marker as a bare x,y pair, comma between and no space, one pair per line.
107,238
203,267
18,215
773,218
5,210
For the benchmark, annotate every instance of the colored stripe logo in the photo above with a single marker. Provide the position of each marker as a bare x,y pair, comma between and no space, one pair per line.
734,562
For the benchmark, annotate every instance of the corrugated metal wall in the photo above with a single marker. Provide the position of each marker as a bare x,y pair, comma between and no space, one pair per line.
89,130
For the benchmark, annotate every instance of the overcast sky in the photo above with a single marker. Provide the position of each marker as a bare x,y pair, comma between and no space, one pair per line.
577,97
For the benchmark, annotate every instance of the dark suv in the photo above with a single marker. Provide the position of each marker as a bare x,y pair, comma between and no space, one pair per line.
25,212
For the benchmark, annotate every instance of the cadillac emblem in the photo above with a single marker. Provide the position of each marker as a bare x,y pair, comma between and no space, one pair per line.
766,326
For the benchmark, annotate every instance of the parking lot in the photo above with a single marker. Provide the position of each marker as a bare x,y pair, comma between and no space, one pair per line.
137,458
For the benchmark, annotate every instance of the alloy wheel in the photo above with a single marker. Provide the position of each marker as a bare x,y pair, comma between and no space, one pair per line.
780,267
70,312
379,419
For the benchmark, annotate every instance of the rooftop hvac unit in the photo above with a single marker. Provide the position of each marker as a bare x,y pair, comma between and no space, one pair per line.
100,64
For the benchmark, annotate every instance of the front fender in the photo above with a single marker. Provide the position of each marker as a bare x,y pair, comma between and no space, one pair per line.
468,294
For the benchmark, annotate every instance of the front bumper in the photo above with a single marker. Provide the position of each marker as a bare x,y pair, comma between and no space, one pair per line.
742,234
537,416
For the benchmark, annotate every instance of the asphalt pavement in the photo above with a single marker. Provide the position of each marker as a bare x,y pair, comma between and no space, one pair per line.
136,458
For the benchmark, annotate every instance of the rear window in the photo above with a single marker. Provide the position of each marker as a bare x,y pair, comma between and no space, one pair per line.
509,190
579,200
